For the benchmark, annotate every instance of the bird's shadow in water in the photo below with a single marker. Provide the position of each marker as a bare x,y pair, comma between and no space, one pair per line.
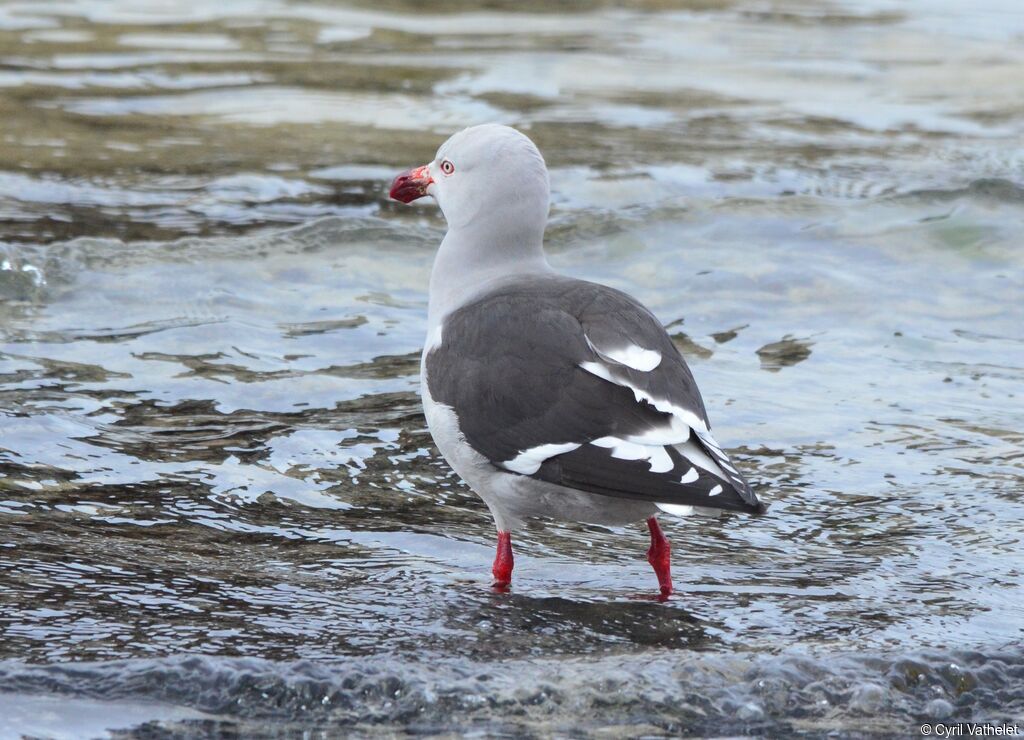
511,623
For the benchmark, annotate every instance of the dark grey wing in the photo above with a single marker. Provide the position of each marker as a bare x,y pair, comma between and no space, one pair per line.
578,384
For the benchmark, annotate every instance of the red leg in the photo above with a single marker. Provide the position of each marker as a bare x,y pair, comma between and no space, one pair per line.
659,556
502,569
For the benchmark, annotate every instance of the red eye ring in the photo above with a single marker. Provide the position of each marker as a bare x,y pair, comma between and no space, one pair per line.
447,167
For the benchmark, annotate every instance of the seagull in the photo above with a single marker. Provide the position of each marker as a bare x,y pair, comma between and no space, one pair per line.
551,396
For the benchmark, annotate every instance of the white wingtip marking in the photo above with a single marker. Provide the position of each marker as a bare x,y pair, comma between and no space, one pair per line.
695,455
529,461
623,449
660,460
715,491
676,509
690,476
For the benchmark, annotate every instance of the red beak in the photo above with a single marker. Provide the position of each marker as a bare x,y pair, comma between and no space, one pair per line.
411,185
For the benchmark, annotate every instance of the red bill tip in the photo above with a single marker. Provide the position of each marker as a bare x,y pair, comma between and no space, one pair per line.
411,185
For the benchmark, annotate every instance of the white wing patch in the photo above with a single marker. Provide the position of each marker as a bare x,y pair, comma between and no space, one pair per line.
627,449
682,420
631,355
529,461
702,451
676,509
696,455
635,357
651,444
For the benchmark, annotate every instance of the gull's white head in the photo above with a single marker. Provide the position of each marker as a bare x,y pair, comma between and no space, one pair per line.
489,173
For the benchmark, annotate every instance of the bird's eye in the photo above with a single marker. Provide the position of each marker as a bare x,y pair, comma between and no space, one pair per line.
447,167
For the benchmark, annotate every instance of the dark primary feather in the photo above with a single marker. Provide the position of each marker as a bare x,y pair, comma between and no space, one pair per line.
594,470
509,365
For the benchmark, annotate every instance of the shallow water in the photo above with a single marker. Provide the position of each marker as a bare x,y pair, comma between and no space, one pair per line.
220,510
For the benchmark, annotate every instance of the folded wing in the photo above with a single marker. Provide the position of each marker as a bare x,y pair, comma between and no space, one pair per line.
577,384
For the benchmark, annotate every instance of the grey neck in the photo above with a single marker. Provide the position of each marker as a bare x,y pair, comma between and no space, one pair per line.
471,259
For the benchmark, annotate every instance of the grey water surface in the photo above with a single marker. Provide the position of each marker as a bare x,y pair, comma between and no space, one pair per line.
220,511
